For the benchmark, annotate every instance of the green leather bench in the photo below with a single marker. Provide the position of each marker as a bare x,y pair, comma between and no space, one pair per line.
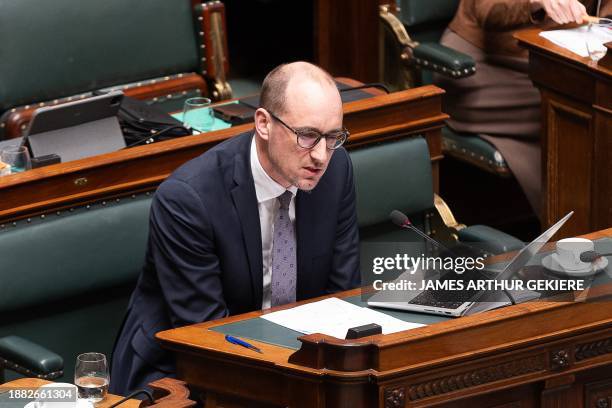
66,281
397,176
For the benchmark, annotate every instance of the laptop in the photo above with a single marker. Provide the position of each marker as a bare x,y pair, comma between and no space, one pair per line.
78,129
467,302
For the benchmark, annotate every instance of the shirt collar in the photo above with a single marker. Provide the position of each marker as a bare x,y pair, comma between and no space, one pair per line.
265,187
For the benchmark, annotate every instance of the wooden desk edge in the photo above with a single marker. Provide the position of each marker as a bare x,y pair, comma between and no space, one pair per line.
30,383
531,39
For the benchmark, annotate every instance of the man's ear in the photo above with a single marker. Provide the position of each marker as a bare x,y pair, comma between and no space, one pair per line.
262,123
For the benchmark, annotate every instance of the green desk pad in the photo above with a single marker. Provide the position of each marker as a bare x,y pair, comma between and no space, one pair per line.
218,124
267,332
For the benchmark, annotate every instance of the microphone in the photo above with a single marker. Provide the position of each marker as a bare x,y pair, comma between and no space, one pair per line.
401,220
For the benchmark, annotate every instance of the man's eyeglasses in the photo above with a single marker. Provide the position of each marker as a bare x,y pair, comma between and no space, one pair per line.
309,137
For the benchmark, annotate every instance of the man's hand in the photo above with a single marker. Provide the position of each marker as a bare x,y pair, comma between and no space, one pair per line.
561,11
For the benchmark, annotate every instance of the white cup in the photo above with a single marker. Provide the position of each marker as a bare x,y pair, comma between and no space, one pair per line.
569,250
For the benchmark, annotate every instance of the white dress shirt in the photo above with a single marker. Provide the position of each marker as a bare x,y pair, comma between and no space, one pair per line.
268,191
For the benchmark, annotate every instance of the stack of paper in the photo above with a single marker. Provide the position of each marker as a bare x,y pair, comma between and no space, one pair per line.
334,317
575,39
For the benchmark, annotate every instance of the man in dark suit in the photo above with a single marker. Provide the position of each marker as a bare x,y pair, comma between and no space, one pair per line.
263,219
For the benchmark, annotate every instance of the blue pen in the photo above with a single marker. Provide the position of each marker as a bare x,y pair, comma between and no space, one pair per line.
236,340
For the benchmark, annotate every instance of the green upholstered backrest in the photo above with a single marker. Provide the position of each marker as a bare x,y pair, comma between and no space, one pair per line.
51,49
392,176
416,12
66,278
426,20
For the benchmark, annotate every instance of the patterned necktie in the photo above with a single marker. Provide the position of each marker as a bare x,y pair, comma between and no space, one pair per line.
284,263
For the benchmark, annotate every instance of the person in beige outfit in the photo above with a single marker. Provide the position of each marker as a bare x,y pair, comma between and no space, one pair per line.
499,102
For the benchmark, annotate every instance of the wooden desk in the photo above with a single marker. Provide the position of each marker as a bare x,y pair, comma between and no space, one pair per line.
167,392
41,191
544,354
37,382
576,134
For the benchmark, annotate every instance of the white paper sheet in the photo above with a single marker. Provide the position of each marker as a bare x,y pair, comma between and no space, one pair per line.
334,317
575,39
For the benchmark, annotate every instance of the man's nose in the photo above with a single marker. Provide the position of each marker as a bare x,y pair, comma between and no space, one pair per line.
319,151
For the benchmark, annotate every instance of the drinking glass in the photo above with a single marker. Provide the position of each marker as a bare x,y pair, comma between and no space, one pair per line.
17,157
91,376
197,114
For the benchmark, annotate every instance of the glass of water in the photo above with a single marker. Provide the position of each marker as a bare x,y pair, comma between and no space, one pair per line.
17,157
198,115
91,376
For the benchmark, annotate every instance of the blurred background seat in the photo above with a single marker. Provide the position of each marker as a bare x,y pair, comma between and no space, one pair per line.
159,51
475,177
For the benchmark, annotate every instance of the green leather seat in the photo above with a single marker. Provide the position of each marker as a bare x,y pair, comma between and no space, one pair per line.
67,278
55,50
423,23
397,176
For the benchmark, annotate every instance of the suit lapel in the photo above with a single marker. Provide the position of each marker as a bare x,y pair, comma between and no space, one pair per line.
245,201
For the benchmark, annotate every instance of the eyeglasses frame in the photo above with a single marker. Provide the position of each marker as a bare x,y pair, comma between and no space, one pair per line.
321,135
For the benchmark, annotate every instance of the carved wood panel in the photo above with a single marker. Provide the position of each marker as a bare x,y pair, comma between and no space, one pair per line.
598,394
568,163
476,377
395,397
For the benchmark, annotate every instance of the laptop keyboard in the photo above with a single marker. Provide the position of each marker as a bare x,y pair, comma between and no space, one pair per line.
443,298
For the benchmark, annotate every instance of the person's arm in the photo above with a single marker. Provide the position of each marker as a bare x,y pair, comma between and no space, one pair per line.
560,11
501,15
345,265
182,246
